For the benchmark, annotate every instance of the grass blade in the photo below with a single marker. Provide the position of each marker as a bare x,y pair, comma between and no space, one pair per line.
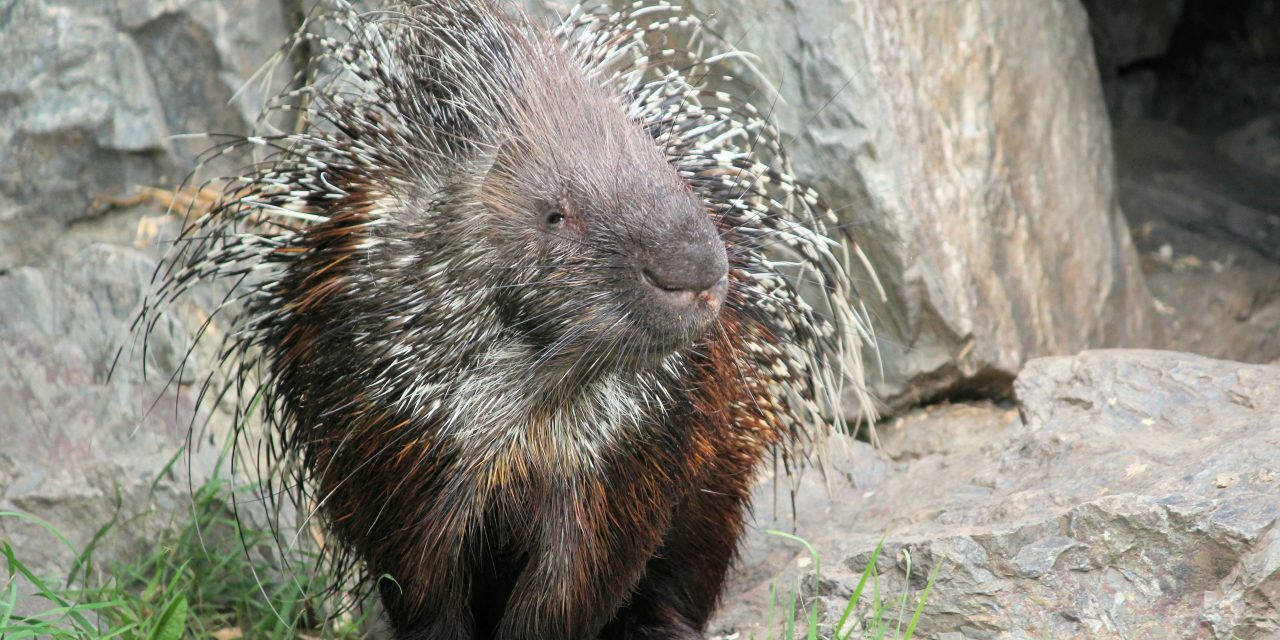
11,604
172,622
928,588
45,591
812,632
857,592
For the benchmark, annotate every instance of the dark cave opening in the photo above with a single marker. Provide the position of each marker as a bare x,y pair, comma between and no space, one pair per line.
1202,65
1193,91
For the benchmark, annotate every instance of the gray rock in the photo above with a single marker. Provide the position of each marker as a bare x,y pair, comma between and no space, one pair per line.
1255,145
95,115
1206,66
1225,70
1127,36
1179,176
1127,31
92,117
1133,494
80,450
968,148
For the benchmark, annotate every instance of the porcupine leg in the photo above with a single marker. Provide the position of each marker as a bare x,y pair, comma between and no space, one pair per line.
682,582
426,570
589,561
429,608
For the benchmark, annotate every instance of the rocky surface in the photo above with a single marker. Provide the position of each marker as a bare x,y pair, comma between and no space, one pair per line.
79,450
1208,230
92,95
1128,31
1126,34
968,147
1197,136
1128,494
1203,65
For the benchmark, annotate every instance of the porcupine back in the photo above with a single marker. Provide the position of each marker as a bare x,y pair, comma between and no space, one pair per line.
364,224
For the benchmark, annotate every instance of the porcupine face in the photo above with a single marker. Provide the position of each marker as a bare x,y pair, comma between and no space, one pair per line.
627,265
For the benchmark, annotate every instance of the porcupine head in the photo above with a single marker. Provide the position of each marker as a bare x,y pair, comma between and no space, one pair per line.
623,262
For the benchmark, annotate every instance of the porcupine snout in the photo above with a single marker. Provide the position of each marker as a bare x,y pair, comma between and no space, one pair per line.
688,271
682,269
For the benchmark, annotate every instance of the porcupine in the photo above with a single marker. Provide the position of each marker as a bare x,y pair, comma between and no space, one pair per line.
519,308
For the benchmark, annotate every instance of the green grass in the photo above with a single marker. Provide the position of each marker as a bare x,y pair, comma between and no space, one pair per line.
875,617
203,580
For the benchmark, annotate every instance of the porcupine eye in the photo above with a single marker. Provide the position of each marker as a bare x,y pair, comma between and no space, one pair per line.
558,219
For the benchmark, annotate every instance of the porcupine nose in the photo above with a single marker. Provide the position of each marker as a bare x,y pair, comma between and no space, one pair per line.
689,274
681,270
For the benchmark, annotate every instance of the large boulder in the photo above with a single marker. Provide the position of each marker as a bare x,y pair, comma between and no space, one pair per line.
967,145
1131,494
94,96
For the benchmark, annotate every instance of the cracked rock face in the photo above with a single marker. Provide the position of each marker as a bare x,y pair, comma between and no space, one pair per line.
92,95
1130,494
79,450
968,147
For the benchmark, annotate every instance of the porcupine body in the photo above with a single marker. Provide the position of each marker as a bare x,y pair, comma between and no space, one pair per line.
514,306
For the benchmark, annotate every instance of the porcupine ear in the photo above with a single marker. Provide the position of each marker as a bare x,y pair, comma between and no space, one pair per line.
499,178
